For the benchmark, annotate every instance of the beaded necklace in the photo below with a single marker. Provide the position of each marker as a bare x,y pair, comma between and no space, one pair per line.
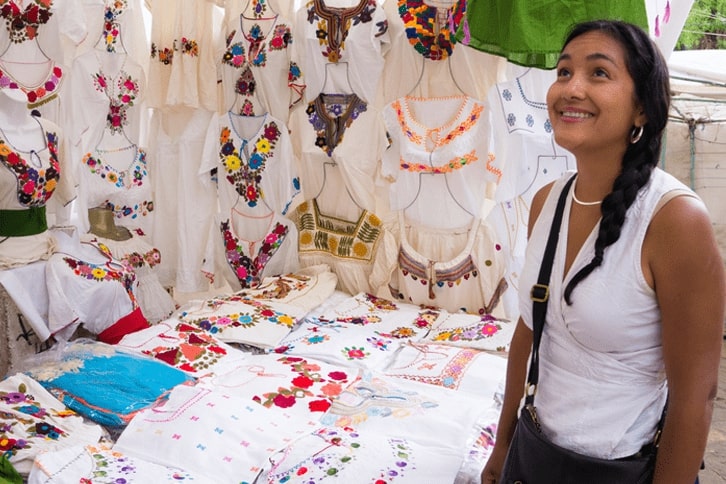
423,27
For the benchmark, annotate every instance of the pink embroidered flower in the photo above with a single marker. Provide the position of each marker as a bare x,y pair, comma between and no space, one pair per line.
331,389
489,329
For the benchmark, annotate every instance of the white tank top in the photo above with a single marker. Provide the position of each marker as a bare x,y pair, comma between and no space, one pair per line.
602,381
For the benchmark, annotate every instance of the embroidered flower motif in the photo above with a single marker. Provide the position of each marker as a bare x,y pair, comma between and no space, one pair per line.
333,25
23,24
329,127
35,186
134,176
355,353
246,268
99,273
111,29
419,20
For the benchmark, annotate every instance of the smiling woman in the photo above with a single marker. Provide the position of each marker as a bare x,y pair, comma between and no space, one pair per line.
636,294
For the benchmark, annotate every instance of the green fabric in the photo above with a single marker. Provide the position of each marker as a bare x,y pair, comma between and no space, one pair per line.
19,223
531,32
8,474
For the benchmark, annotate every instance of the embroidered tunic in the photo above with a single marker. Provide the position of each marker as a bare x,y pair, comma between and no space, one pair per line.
260,69
456,271
34,421
529,158
87,286
182,55
445,138
28,180
245,249
254,163
354,31
344,130
107,89
348,247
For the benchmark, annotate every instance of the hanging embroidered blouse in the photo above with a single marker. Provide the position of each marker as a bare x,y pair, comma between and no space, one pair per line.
431,29
108,90
447,137
348,247
128,192
357,34
341,129
530,158
182,55
454,276
265,248
260,70
254,162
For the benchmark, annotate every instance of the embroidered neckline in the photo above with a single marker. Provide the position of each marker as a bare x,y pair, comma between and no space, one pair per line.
246,175
111,28
330,129
318,232
121,93
433,134
133,176
333,24
103,272
246,269
38,95
423,31
23,24
279,35
35,186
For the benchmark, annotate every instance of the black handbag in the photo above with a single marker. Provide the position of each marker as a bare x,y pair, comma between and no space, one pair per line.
532,458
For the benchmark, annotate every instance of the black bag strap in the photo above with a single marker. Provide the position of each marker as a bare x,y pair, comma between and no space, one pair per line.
540,292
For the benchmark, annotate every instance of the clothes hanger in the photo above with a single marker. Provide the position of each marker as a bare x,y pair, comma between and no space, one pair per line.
327,164
448,189
454,82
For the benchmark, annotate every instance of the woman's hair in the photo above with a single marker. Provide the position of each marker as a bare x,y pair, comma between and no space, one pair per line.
649,72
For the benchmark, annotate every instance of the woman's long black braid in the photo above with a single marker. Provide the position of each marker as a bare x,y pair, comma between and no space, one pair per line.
652,91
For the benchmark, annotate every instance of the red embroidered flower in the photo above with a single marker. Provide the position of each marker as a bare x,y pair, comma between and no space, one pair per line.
302,382
319,405
284,401
337,375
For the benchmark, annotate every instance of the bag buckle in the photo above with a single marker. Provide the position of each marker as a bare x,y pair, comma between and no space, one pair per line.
540,293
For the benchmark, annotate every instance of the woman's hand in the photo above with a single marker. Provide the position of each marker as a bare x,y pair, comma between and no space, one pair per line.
493,468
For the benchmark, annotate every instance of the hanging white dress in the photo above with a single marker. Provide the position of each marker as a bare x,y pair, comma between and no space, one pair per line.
460,271
530,158
182,55
351,31
260,69
107,89
254,163
444,138
344,130
349,247
182,222
122,185
243,249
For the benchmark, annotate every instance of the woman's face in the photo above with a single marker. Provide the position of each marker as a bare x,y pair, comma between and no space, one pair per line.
592,104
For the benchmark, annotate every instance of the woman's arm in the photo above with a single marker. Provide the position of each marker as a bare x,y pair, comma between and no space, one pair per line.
683,262
519,351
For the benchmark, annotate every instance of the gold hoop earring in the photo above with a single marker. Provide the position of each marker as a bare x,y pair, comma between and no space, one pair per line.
636,134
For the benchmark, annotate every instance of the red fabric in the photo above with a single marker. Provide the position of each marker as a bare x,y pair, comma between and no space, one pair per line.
132,322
